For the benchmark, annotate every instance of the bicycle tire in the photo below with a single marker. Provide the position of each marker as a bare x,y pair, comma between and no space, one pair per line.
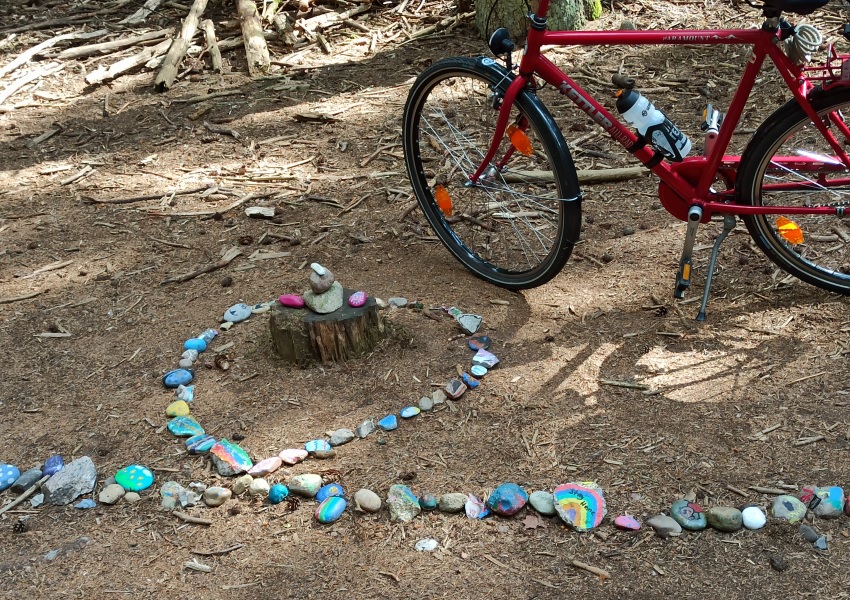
449,121
823,257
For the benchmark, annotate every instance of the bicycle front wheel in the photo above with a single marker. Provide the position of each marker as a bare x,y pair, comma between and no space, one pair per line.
790,163
516,227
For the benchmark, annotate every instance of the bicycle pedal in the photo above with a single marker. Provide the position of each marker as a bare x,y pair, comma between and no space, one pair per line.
683,280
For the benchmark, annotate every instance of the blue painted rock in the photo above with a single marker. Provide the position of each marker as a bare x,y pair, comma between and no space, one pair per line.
196,344
479,342
186,393
85,504
178,408
507,499
357,299
314,446
292,301
428,502
403,504
331,489
216,495
200,444
388,423
455,388
237,313
265,466
177,377
306,485
293,456
485,359
475,508
470,382
689,515
229,458
580,505
543,502
185,427
828,502
627,523
278,493
330,509
408,412
52,465
134,478
788,508
25,481
478,371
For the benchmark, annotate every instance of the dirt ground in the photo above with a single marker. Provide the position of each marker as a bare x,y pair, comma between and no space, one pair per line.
771,352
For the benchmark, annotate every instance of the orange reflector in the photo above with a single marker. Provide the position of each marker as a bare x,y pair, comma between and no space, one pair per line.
789,230
444,201
520,140
686,272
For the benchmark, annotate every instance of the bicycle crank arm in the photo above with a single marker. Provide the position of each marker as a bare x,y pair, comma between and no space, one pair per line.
683,277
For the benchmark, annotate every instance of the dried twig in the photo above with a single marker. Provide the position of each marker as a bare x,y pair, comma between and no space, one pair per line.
143,13
225,260
120,67
190,519
81,51
11,299
20,82
143,198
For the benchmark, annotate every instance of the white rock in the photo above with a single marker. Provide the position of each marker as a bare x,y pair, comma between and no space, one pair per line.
367,501
241,484
754,517
427,545
111,494
131,497
317,268
259,487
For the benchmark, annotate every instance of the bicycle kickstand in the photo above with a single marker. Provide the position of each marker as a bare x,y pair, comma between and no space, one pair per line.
683,277
728,225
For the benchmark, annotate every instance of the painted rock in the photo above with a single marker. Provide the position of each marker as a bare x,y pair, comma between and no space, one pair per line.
507,499
196,344
469,323
367,501
185,427
200,444
178,408
580,505
753,517
134,478
25,480
111,494
85,504
403,504
330,509
260,308
177,377
725,518
664,526
51,466
278,493
543,502
317,446
326,491
455,388
452,502
341,436
293,456
216,495
230,459
306,485
788,508
485,359
365,428
478,371
259,488
292,301
388,423
77,478
186,392
470,382
479,342
237,313
688,514
428,502
173,495
357,299
627,523
321,282
408,412
266,466
828,502
425,404
325,303
475,508
241,484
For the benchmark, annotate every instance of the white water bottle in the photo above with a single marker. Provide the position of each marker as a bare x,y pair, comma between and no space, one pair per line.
653,125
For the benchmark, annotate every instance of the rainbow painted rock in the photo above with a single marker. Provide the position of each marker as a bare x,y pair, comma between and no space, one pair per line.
200,444
627,523
293,456
357,299
507,499
580,505
185,427
292,301
230,459
331,489
134,478
330,509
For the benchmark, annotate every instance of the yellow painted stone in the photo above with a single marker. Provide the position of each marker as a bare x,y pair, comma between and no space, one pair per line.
178,408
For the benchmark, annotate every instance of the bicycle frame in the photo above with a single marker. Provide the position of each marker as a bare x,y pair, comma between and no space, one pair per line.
764,42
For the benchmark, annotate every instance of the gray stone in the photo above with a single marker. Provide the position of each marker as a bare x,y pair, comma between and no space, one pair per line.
259,487
439,397
397,302
216,495
320,284
820,543
725,518
452,503
324,303
37,500
425,404
664,526
788,508
241,485
25,481
131,497
367,501
403,504
543,502
76,479
111,494
341,436
809,534
365,428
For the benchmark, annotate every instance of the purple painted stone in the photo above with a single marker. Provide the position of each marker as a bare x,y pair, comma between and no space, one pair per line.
53,465
627,523
292,301
293,456
357,299
266,466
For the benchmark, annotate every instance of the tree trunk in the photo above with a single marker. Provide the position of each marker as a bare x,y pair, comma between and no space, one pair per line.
563,14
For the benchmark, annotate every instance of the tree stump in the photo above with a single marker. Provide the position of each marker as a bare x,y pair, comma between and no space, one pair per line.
303,337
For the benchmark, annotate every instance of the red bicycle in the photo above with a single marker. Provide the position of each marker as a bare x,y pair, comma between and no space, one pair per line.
494,176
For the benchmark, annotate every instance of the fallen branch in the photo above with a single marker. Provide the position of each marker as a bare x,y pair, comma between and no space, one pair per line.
143,13
217,552
16,85
312,24
590,569
221,130
29,492
104,73
143,198
38,49
212,212
190,519
179,46
81,51
11,299
585,176
212,45
256,49
225,260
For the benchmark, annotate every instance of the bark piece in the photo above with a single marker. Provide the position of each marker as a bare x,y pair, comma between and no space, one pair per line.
179,46
256,49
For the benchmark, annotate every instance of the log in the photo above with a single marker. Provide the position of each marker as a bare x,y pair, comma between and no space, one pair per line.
90,49
256,49
332,18
303,337
170,64
103,73
585,176
38,49
143,13
212,45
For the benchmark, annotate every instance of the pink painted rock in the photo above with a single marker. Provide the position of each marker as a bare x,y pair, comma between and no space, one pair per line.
357,299
266,466
292,301
627,523
293,456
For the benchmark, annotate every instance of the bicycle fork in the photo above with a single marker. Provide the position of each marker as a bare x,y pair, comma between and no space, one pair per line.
683,277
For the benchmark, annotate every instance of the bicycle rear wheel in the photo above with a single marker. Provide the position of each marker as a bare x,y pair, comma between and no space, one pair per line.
517,226
789,163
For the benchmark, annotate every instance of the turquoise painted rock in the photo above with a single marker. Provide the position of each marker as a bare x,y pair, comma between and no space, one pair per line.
230,459
507,499
306,485
428,502
200,444
330,509
177,377
788,508
689,515
408,412
388,423
8,475
197,344
403,504
185,427
134,478
52,465
314,446
278,493
331,489
478,371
